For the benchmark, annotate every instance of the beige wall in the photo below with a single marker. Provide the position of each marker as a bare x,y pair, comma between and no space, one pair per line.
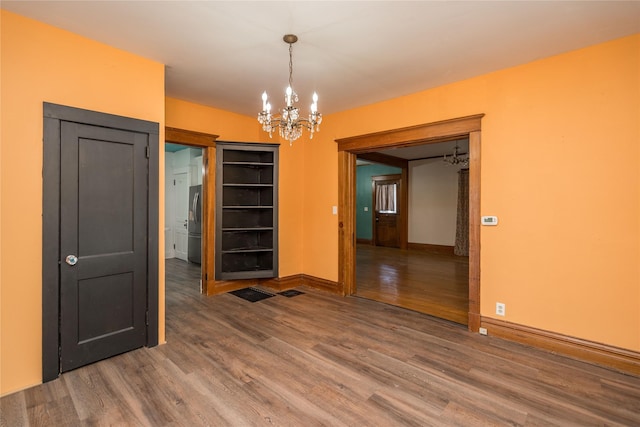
433,202
41,63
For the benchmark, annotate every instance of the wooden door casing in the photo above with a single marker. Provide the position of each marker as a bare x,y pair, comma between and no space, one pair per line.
427,133
208,144
103,257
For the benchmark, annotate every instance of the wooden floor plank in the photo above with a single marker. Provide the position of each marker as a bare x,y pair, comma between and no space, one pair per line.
431,283
322,359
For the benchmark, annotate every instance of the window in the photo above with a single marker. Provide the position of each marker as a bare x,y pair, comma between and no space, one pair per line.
386,198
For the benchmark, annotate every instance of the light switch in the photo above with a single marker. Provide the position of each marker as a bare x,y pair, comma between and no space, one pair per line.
366,208
335,210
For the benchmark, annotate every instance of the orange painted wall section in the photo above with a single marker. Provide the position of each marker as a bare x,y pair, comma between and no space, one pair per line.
42,63
239,128
560,168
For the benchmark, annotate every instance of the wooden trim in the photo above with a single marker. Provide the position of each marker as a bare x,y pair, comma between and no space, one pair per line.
474,231
434,249
576,348
277,283
208,144
385,159
189,137
216,287
283,283
322,284
209,206
412,135
364,241
404,137
346,222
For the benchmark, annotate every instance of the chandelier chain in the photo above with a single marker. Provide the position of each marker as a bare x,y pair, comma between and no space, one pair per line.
291,65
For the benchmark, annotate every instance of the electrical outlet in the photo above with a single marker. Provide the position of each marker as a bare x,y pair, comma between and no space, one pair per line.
483,331
501,309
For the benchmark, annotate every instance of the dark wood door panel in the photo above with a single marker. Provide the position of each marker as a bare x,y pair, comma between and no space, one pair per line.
103,222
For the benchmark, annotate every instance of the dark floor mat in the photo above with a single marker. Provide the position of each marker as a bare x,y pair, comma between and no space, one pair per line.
290,293
252,294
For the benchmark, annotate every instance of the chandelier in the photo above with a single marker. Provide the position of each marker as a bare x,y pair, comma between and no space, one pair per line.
457,159
289,123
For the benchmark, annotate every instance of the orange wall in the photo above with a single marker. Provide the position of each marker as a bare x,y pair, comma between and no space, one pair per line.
42,63
239,128
560,168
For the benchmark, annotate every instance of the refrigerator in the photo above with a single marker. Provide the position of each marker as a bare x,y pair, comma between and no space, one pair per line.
194,246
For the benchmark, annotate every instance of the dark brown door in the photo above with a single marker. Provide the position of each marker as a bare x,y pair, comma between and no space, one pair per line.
103,243
386,197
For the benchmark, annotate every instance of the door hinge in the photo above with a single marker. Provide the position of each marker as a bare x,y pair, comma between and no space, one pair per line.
146,318
174,182
148,151
174,246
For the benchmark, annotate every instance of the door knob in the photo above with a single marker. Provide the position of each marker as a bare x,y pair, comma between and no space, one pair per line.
71,259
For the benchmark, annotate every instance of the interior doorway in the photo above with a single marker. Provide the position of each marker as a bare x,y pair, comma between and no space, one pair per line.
387,209
428,276
349,148
194,218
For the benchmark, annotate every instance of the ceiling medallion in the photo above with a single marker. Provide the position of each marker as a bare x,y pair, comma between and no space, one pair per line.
289,123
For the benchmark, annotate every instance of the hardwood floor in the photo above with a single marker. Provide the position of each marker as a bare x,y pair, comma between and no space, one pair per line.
434,284
321,359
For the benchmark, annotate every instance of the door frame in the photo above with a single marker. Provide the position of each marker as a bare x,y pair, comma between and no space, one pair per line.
53,115
428,133
208,144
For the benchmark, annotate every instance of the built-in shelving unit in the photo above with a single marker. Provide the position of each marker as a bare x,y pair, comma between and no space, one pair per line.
246,211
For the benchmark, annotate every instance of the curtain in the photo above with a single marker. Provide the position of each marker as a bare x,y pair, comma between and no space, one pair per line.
386,197
461,247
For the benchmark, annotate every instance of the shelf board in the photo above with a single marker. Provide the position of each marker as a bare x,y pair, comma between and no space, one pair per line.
247,250
259,164
248,185
248,229
247,207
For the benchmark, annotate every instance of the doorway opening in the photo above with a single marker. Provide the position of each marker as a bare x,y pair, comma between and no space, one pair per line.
189,201
349,149
183,205
427,274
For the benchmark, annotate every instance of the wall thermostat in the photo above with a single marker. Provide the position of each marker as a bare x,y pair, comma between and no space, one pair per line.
489,220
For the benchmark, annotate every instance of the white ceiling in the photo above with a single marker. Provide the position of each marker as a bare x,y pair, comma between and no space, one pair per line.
353,53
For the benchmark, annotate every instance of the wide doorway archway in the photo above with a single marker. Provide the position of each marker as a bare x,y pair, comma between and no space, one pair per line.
349,148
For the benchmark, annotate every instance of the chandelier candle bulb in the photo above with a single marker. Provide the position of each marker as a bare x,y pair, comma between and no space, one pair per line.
288,97
264,101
